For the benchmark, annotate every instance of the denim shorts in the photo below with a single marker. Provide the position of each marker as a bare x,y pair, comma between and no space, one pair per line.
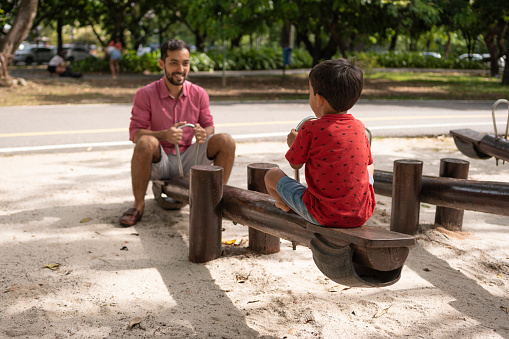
291,191
168,167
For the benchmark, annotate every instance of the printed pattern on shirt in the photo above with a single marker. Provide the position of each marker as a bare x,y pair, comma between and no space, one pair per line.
336,152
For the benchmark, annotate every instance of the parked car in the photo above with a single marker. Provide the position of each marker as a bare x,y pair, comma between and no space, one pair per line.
501,60
431,54
29,54
473,56
76,52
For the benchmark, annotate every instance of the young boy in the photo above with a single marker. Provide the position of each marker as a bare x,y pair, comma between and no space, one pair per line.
335,149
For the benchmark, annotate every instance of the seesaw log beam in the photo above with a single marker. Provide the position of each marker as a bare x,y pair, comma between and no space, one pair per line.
364,256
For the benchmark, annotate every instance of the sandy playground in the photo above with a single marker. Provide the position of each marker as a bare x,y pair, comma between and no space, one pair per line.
68,271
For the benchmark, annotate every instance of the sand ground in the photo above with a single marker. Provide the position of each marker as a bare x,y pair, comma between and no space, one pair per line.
111,282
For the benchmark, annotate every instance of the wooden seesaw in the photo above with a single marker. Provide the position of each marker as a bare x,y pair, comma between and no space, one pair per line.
358,257
484,146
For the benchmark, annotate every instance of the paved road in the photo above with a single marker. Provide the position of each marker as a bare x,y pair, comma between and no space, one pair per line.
25,129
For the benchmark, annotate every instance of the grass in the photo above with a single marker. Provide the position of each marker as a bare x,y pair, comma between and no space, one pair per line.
400,85
455,86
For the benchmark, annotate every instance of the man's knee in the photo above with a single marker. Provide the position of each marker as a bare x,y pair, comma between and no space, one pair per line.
223,143
147,144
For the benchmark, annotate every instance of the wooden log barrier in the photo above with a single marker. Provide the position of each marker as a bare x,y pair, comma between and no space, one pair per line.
451,218
406,196
481,196
260,242
363,256
205,222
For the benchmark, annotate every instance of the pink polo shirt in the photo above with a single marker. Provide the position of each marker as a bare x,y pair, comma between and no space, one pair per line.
155,109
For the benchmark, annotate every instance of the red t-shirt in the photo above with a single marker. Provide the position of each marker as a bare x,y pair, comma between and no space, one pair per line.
336,152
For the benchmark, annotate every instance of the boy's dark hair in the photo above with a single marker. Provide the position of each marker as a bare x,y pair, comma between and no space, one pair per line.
172,45
339,81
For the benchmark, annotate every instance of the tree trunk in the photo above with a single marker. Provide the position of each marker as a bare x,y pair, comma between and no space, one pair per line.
19,30
394,39
447,45
505,76
60,25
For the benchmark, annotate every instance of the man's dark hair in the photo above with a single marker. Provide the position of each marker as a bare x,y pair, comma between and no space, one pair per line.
172,45
339,81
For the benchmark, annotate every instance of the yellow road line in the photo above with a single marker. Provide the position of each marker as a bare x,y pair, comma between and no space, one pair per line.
244,124
83,131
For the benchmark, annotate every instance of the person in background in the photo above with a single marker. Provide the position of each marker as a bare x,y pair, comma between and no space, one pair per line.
57,66
114,51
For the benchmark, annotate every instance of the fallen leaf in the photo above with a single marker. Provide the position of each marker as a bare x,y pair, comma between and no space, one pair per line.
426,269
228,242
499,276
505,309
134,322
85,220
52,266
240,242
338,288
425,206
124,248
382,312
454,234
253,301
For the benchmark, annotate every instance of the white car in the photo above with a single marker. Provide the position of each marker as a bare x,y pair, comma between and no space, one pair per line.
473,56
431,54
76,52
29,54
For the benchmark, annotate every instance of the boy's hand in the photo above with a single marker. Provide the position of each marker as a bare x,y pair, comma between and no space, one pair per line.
291,137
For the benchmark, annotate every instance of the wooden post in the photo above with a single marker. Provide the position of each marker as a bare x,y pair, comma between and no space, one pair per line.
205,213
451,218
406,196
259,241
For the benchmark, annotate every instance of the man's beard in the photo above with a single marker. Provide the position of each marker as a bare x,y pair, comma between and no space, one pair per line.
172,81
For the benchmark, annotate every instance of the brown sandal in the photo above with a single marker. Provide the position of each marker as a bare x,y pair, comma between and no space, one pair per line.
130,217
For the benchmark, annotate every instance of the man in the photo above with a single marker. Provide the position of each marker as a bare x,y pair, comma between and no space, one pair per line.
158,110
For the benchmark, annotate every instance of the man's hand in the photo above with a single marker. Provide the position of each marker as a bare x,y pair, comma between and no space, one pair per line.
291,137
200,134
174,133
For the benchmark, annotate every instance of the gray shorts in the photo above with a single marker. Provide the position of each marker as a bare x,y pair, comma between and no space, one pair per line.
168,166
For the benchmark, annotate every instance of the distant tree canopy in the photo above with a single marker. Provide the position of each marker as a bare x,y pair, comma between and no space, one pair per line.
322,27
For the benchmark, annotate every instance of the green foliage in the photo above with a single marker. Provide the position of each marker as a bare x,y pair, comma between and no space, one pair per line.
91,64
415,60
272,58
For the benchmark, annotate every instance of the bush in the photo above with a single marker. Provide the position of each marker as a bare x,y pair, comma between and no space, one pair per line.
272,58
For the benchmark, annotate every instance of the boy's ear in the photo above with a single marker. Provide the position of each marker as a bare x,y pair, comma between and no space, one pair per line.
320,100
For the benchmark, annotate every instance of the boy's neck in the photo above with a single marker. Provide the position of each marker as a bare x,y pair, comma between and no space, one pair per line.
333,112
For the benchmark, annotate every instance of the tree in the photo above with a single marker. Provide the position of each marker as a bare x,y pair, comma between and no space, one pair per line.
493,21
26,11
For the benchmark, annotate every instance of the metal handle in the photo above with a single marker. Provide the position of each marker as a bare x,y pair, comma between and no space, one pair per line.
493,116
177,151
